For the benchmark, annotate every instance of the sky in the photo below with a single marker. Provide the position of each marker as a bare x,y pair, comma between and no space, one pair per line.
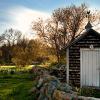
19,14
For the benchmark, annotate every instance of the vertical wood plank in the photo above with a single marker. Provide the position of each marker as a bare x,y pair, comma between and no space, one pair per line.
90,63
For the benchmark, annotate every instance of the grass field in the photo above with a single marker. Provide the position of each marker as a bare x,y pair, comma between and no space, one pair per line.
15,68
16,86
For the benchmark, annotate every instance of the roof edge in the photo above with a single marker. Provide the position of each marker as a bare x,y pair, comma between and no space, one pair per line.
80,37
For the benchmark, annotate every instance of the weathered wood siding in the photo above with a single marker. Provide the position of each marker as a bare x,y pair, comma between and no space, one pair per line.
74,55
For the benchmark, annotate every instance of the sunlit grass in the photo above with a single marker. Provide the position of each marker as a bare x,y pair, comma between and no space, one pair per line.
16,68
28,67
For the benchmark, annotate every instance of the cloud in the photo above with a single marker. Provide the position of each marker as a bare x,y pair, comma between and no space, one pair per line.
21,18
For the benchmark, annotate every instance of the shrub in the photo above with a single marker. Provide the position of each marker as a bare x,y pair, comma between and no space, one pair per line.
12,72
56,65
89,92
53,64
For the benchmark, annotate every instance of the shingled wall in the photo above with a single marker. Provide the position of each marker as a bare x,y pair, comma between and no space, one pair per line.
74,54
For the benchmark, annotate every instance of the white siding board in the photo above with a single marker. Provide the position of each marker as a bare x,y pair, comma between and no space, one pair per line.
91,64
97,69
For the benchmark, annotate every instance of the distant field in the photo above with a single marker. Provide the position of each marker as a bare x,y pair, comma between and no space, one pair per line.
15,68
22,68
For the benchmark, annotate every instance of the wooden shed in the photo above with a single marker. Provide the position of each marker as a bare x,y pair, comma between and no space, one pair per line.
83,59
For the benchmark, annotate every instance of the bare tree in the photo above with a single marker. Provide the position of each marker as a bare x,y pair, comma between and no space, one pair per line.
63,26
11,36
1,40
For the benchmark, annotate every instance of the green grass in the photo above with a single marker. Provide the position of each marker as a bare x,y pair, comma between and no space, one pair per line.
16,86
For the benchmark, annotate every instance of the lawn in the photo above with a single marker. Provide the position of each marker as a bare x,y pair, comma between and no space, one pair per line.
16,68
16,86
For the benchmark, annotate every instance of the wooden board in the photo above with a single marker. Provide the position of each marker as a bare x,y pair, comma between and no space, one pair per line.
90,67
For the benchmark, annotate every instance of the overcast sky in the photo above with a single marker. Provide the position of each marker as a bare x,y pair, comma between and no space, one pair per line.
19,14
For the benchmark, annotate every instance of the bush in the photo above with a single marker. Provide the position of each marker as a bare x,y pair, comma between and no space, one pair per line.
53,64
12,72
56,65
89,92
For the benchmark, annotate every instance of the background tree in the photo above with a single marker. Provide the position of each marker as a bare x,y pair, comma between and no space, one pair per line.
18,50
9,39
62,27
21,53
1,39
40,51
11,36
27,52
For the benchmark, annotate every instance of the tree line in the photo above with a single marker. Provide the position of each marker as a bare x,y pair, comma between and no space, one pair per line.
17,50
